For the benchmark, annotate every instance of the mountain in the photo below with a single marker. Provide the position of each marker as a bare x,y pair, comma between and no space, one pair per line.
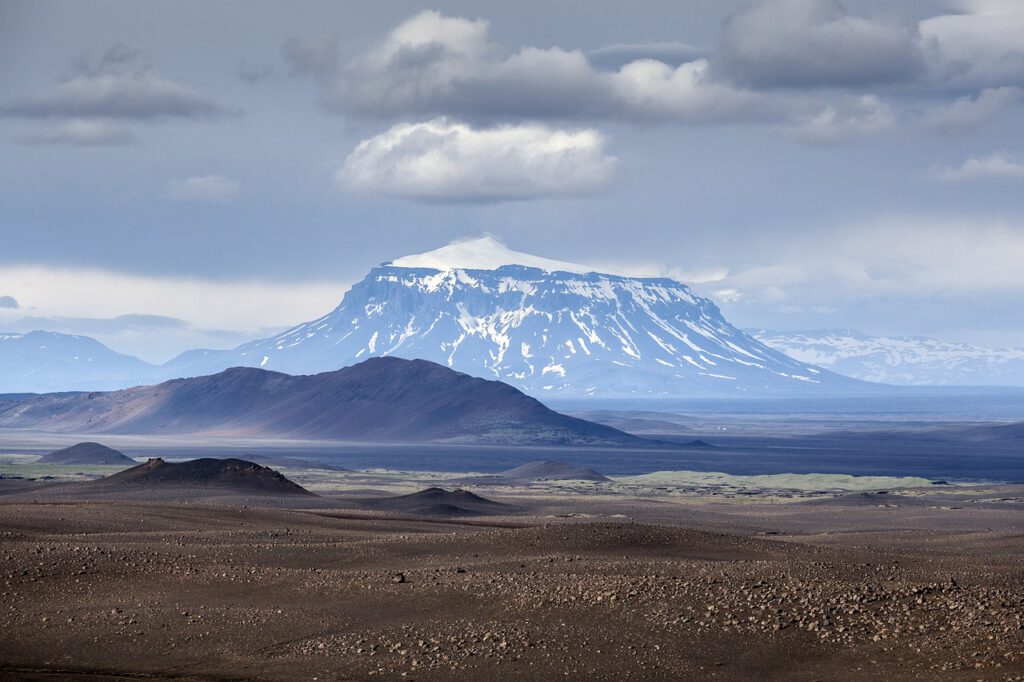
86,453
906,360
47,361
547,327
378,400
235,474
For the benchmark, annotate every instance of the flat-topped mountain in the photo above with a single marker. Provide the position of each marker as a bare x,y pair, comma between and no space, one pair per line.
547,327
233,474
87,453
378,400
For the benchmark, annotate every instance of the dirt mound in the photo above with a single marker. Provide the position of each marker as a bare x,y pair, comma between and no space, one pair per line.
87,453
439,502
234,474
553,471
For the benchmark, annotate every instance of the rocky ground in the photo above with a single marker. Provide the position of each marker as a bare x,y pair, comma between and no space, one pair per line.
197,591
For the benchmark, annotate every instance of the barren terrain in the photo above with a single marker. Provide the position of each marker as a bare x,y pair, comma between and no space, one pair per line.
923,585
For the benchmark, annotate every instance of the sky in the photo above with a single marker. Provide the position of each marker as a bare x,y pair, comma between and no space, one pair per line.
179,174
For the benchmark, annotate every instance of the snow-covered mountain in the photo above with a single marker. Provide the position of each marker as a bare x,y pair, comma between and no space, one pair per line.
41,361
547,327
905,360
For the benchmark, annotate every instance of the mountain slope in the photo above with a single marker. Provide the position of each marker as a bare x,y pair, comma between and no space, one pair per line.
379,400
546,327
48,361
905,360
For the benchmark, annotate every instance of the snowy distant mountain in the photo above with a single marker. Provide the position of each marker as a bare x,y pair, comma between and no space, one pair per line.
47,361
906,360
547,327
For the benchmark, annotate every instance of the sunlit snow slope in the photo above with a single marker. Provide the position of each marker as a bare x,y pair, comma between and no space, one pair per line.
908,360
547,327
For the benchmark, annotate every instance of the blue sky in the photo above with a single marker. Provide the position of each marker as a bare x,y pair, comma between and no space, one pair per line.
180,174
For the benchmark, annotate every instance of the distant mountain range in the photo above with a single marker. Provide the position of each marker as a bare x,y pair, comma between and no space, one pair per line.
901,360
40,362
378,400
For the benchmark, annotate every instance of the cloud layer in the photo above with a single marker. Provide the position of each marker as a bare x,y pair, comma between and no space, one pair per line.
100,95
442,160
997,166
204,188
814,43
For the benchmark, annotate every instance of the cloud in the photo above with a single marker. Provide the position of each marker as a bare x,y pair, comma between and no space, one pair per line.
997,166
253,73
902,258
442,160
860,117
131,95
983,46
98,326
208,188
814,43
81,132
246,308
315,56
8,303
672,53
968,113
432,65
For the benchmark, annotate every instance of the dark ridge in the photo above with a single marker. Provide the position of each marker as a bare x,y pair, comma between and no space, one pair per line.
379,400
87,453
553,471
233,474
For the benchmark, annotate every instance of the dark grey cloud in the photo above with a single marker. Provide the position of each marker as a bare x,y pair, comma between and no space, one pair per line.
815,43
253,73
115,87
615,56
433,64
8,303
315,56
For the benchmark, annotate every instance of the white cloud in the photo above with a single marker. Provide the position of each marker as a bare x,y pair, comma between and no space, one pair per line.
81,132
894,259
860,117
981,47
996,166
442,160
970,112
209,188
